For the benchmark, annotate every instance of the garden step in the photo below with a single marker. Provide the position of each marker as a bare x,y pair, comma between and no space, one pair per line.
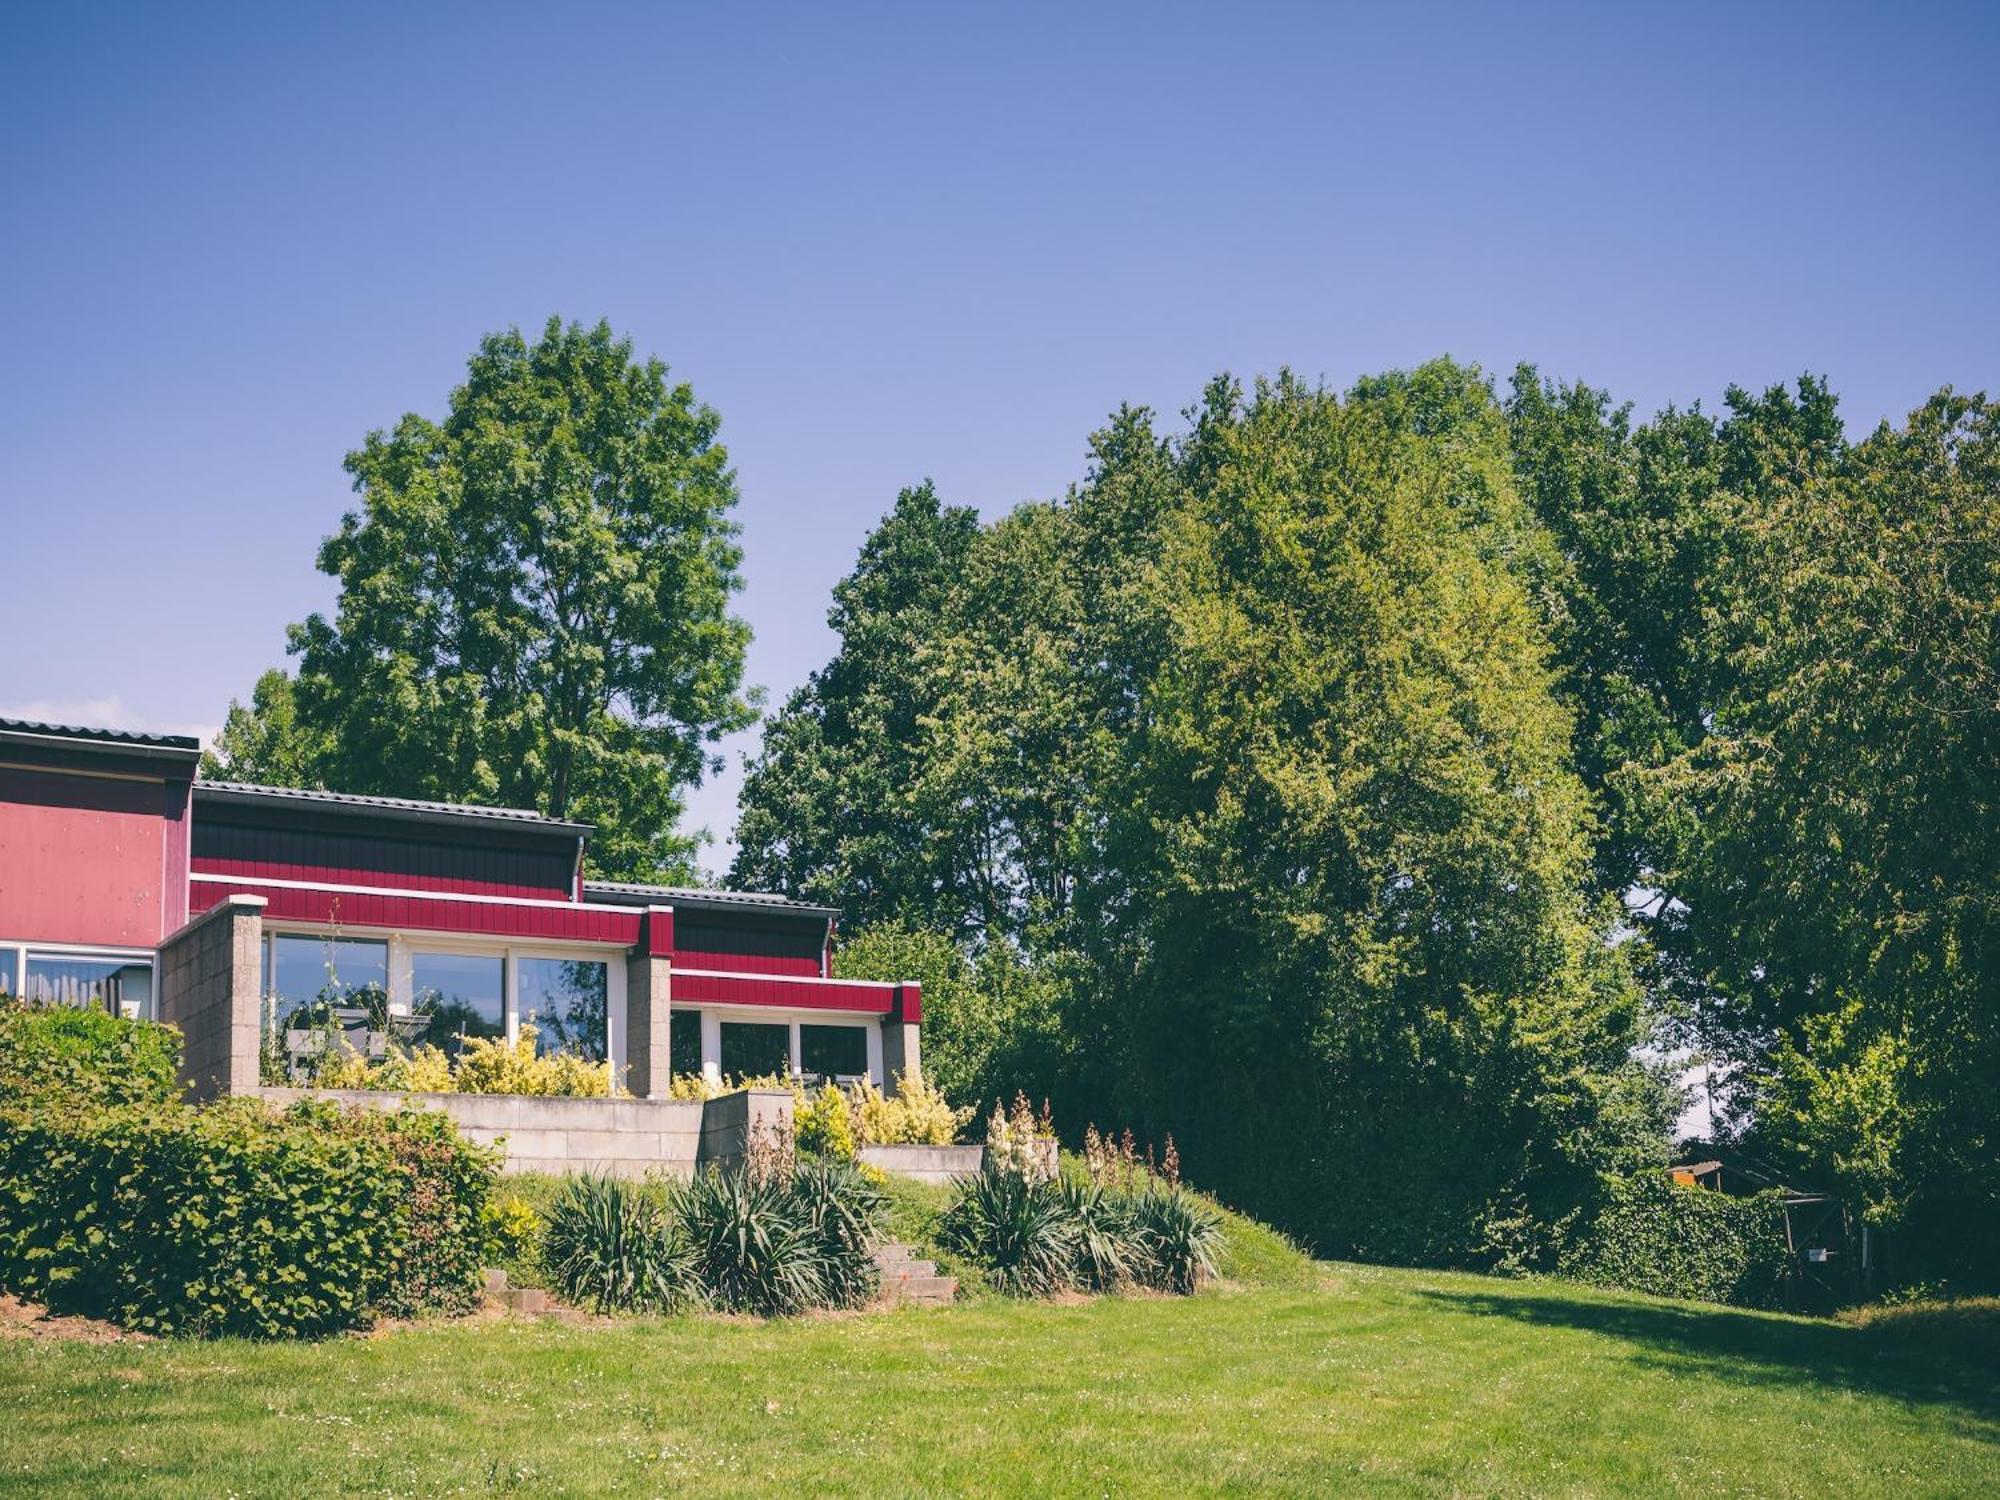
925,1290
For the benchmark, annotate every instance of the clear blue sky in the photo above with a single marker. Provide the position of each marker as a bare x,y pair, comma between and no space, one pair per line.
895,242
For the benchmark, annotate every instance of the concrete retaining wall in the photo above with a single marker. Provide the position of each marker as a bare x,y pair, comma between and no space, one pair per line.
934,1164
621,1137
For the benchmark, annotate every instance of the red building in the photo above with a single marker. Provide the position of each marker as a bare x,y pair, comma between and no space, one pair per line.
477,917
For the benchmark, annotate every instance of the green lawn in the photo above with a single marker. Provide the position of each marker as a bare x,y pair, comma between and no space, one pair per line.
1374,1381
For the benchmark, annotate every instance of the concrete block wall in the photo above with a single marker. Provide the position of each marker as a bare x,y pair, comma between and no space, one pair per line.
730,1124
932,1164
209,986
618,1137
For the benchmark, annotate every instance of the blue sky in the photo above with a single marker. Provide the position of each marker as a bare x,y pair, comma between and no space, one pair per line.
891,242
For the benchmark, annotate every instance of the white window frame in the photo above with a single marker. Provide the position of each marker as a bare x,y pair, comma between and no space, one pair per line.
98,952
712,1017
404,945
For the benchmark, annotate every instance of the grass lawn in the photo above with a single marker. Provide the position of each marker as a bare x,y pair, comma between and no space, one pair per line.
1370,1381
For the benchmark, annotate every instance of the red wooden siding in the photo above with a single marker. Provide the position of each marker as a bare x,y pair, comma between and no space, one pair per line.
290,851
755,989
440,913
751,943
86,859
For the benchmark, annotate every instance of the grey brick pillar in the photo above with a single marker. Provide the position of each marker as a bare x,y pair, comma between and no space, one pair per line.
648,1060
211,987
900,1051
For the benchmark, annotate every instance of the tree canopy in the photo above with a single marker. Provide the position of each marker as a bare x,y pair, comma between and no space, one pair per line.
534,605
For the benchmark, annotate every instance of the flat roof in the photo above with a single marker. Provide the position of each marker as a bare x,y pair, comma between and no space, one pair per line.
631,893
248,794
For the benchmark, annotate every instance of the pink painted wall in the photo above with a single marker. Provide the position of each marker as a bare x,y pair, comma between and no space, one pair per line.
90,859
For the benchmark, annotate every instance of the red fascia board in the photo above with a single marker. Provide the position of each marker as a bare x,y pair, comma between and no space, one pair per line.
747,963
789,994
548,922
910,1003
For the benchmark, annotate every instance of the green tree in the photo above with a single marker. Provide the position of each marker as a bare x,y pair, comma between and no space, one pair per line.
265,741
534,602
1836,842
992,1024
1354,853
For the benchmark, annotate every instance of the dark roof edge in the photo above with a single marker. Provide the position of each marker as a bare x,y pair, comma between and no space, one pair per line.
180,747
407,809
632,893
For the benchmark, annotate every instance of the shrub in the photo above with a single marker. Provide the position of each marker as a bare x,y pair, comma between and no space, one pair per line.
614,1247
228,1220
844,1210
1018,1227
1651,1234
1182,1237
1108,1249
86,1055
918,1115
493,1065
824,1123
754,1251
513,1229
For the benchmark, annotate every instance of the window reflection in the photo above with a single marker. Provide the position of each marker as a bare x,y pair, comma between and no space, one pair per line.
566,998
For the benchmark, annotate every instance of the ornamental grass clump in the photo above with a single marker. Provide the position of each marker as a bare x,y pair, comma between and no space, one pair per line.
1018,1227
844,1209
616,1247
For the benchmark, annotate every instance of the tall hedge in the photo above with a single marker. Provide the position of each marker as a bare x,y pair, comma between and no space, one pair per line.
86,1055
227,1219
1652,1234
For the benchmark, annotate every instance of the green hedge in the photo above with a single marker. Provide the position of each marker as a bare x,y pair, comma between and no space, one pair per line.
227,1219
1651,1234
86,1055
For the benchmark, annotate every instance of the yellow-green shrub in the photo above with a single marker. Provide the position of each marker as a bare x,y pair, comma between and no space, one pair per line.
823,1123
919,1114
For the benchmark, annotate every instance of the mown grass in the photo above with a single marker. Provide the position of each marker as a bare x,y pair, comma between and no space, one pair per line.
1370,1382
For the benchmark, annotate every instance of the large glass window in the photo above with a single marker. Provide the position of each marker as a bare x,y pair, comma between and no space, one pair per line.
464,994
684,1041
348,972
118,985
753,1049
834,1051
566,998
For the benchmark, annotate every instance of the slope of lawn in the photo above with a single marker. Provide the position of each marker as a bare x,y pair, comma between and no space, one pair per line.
1364,1381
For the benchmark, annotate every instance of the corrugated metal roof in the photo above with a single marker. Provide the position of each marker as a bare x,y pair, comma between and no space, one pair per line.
185,744
681,895
410,807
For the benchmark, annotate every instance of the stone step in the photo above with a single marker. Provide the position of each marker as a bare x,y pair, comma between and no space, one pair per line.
924,1290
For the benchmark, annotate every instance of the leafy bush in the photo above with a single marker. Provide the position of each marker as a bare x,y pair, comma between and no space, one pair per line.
513,1230
1018,1227
823,1123
486,1065
918,1115
228,1220
844,1210
1651,1234
86,1055
614,1247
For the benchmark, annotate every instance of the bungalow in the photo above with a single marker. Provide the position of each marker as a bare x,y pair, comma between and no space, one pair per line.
126,882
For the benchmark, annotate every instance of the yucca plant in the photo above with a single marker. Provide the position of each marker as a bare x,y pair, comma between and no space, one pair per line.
754,1249
1182,1235
1108,1249
843,1210
613,1246
1019,1228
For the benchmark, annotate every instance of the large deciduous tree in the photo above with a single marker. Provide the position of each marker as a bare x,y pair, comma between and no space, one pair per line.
534,605
1249,743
